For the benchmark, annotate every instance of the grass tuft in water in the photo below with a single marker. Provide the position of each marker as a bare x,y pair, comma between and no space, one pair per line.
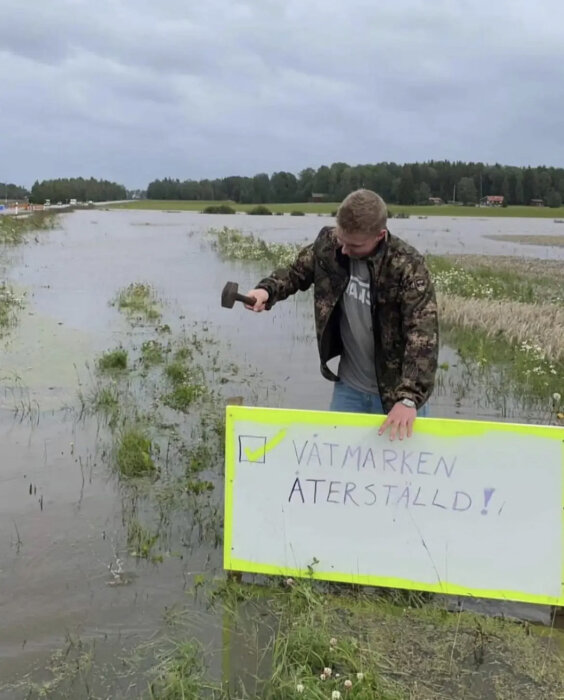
9,306
139,300
179,673
187,380
152,353
113,360
106,400
134,454
232,244
14,229
183,396
479,277
141,541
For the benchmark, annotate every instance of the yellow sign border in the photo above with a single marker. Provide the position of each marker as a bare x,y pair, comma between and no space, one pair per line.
443,427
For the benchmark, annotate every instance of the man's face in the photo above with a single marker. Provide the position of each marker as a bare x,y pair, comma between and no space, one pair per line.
358,245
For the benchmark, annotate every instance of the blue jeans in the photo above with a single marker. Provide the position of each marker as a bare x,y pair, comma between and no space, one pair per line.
350,400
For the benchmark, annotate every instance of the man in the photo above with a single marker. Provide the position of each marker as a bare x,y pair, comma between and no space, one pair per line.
375,306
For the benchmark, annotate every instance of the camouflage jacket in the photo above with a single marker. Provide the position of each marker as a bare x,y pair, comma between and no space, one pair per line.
404,311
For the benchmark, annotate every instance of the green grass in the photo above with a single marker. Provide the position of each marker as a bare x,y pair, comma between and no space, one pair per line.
187,380
328,207
524,239
138,300
183,396
152,353
520,369
178,372
303,640
106,400
484,279
113,360
134,454
9,305
232,244
260,210
14,229
219,209
141,541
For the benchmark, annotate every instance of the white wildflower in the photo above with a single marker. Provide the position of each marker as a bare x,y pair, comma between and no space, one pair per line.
335,695
359,676
348,684
556,396
300,688
322,676
333,640
327,671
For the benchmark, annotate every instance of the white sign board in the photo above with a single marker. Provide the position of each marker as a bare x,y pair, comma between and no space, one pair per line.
461,507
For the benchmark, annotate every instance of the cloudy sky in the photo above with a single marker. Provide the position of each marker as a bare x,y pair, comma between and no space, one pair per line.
132,90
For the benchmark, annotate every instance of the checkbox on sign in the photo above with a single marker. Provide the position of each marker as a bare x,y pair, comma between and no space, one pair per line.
252,448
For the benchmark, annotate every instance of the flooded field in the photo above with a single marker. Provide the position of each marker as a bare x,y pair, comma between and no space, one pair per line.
114,381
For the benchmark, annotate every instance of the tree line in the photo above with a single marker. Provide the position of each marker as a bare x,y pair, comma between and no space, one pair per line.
9,191
81,189
411,183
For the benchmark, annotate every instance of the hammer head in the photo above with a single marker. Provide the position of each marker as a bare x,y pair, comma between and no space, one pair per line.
229,294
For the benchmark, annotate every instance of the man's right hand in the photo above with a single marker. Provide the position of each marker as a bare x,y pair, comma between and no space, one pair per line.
261,297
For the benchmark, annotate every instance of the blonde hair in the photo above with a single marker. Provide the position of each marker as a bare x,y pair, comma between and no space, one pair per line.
362,212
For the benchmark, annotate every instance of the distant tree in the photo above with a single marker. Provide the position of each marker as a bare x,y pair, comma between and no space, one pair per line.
283,187
206,190
404,184
530,185
406,187
422,193
65,189
321,180
261,188
506,190
12,192
554,199
466,191
519,192
545,184
305,184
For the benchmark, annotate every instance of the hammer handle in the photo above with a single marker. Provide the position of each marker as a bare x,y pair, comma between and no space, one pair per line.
246,300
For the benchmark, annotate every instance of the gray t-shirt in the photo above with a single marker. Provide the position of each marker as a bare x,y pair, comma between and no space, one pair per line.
356,366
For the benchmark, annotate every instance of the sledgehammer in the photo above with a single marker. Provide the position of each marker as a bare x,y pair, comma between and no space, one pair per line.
230,295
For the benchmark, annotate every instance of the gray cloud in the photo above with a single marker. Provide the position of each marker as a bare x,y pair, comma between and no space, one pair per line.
132,91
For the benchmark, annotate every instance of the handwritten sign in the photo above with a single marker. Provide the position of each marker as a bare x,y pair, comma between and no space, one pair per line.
462,507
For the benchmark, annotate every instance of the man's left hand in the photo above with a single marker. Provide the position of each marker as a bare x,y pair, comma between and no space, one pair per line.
400,420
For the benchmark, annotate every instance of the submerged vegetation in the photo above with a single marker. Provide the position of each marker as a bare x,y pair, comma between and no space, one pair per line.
134,453
113,360
15,229
139,302
232,244
10,303
556,240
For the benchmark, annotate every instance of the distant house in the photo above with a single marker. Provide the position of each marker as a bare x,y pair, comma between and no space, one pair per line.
435,200
537,202
492,200
318,197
